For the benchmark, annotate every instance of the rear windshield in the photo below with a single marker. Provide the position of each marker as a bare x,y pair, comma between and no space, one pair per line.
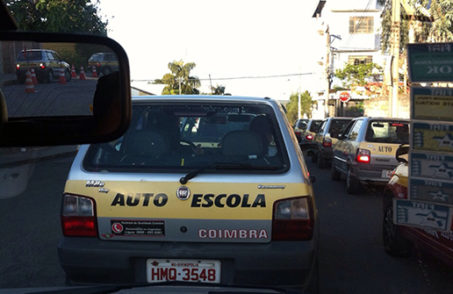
396,132
29,55
337,125
302,124
180,137
314,127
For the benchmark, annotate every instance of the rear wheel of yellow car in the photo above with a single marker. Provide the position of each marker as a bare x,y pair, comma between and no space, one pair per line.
394,243
352,184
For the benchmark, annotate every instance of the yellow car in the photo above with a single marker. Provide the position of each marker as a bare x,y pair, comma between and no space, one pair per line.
104,62
208,189
365,151
47,65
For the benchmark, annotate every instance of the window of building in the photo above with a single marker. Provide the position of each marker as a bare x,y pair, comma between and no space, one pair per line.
355,59
361,24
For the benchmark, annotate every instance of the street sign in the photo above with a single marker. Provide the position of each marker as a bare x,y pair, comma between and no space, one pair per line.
432,191
432,136
345,96
431,166
432,104
430,62
422,214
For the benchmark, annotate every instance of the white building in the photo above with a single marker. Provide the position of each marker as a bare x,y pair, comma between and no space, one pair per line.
351,32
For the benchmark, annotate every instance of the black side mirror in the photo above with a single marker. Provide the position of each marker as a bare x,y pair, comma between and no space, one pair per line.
401,153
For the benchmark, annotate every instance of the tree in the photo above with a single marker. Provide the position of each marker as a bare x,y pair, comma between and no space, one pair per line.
306,103
354,75
178,80
431,20
80,16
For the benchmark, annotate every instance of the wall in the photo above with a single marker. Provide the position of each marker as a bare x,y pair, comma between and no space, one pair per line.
380,106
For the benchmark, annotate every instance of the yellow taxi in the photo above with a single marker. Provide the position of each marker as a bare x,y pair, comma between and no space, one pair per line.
104,62
207,189
365,151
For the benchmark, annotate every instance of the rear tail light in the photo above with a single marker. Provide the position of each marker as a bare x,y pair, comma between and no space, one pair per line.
17,66
363,156
78,217
292,219
327,142
42,65
309,137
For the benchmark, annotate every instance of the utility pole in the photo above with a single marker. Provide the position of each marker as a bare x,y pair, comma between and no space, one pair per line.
299,116
179,80
210,82
396,21
328,43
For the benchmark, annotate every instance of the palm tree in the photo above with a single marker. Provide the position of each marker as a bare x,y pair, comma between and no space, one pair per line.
179,81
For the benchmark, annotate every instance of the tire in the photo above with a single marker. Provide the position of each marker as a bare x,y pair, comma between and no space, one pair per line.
48,78
314,157
335,175
322,162
394,243
67,75
352,184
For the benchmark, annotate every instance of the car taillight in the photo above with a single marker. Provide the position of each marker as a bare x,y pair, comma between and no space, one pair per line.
78,217
327,142
309,137
17,66
42,65
363,156
292,219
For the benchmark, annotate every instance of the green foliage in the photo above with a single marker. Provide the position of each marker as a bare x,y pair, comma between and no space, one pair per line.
179,76
440,29
357,74
79,16
306,103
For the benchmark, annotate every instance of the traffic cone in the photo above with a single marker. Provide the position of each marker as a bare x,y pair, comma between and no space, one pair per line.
33,77
82,74
61,78
29,87
95,74
73,72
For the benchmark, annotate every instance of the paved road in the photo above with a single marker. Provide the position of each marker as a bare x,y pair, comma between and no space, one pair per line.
72,98
352,258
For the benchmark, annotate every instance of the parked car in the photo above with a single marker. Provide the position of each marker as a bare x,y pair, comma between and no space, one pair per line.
207,189
307,143
46,63
400,240
105,63
299,128
365,152
326,138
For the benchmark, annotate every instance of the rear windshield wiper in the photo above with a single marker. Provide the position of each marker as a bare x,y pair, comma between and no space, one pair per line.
223,165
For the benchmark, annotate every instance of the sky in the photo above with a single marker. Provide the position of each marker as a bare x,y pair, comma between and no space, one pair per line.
232,38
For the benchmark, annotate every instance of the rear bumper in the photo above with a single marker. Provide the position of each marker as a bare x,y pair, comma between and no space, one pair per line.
371,173
284,263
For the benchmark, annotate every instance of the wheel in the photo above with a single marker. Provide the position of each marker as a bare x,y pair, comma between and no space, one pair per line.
352,184
49,77
335,175
67,75
314,157
394,243
106,71
322,162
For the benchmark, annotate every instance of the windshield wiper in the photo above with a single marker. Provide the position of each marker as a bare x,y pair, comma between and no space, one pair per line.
224,165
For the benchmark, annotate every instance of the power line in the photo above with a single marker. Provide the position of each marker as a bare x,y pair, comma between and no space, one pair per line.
238,78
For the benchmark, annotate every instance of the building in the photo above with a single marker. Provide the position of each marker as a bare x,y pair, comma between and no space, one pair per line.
351,32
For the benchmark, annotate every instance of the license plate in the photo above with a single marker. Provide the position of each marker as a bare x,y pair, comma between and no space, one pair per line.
386,173
185,270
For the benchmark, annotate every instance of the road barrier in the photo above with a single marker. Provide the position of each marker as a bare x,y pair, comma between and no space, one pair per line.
33,77
29,87
82,74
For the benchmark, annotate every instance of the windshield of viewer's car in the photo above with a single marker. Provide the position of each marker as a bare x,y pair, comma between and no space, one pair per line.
178,137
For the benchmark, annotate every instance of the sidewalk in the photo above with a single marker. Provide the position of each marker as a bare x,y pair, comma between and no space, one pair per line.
7,79
15,156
